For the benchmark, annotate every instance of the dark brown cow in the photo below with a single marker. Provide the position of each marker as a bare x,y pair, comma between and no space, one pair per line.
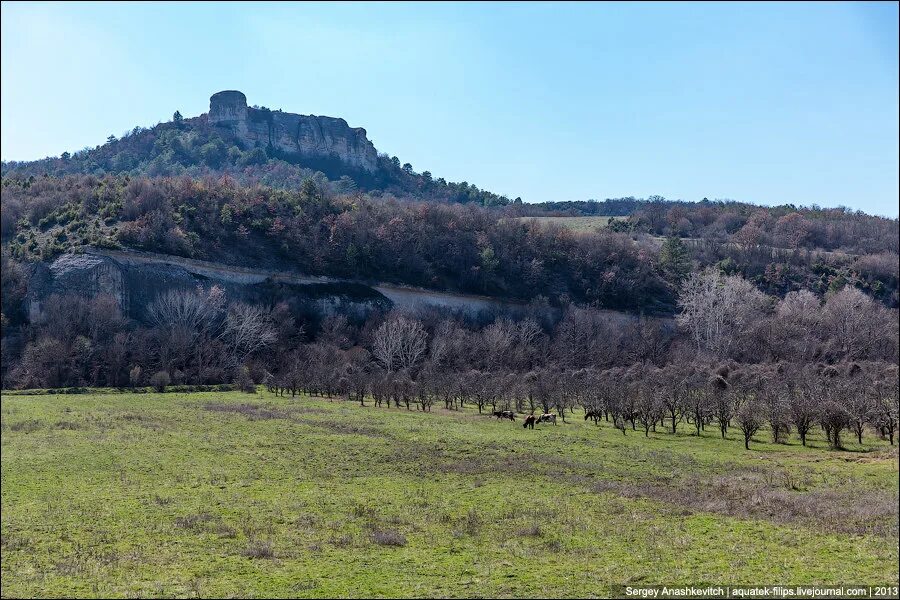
529,421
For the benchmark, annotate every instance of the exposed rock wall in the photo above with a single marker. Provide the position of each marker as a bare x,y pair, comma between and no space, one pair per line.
135,283
406,297
135,279
307,135
82,274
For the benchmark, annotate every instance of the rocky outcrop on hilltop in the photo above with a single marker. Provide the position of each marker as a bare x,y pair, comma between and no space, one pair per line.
303,135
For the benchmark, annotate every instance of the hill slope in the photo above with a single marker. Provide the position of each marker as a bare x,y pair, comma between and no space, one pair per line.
257,145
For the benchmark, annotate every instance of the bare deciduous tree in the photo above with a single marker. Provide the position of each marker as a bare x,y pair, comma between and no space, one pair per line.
857,327
717,309
188,309
247,329
400,343
803,393
749,420
886,401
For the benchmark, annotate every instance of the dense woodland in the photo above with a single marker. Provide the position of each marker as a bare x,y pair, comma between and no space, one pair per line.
448,246
730,315
442,246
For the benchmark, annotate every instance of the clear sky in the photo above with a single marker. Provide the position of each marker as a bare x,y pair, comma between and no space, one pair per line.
768,103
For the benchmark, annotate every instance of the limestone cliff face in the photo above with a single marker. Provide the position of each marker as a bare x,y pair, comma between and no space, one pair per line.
75,273
135,279
308,135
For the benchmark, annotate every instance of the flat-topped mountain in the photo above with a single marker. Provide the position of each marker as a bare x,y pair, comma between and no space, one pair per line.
306,135
253,145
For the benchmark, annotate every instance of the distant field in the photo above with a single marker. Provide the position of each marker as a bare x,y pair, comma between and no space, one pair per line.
230,494
580,224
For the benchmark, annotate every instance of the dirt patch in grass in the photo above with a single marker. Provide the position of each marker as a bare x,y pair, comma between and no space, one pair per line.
253,412
745,495
15,543
307,410
759,492
146,421
530,531
345,428
135,418
29,426
194,522
878,456
768,493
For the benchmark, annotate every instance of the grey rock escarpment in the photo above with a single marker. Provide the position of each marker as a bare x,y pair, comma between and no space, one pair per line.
135,279
81,274
305,135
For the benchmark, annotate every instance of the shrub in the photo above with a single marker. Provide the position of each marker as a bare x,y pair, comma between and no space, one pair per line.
388,537
134,375
160,380
243,381
194,521
259,549
530,531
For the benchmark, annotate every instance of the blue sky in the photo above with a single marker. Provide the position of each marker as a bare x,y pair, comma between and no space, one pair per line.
765,103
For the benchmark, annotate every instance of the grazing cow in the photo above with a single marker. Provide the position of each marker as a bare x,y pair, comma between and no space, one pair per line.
547,418
505,414
529,421
596,415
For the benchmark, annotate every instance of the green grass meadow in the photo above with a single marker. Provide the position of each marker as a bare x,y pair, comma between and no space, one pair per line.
242,495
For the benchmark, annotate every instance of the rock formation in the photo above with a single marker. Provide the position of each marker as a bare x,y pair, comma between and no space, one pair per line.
305,135
135,279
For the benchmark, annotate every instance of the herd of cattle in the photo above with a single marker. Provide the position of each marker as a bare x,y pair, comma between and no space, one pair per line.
530,421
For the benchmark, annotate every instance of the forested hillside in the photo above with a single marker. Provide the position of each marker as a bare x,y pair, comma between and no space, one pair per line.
314,231
193,148
450,246
768,286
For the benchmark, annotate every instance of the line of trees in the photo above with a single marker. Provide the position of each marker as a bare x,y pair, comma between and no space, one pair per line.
733,358
651,379
783,397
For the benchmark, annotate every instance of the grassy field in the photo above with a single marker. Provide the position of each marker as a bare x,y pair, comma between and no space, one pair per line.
230,494
579,224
